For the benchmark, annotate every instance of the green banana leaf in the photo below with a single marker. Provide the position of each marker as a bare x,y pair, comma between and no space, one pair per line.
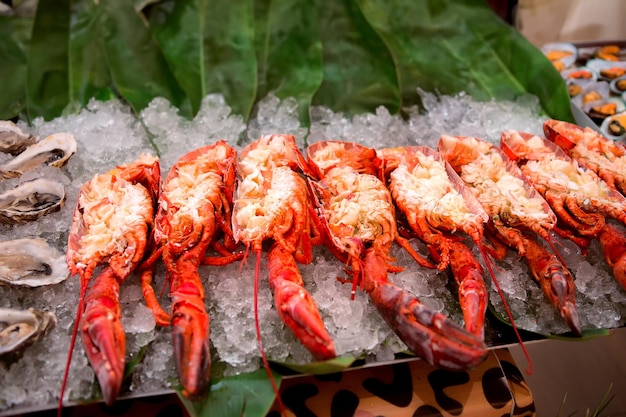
89,73
359,74
289,51
210,47
14,45
321,367
247,395
138,66
252,394
349,55
47,79
448,46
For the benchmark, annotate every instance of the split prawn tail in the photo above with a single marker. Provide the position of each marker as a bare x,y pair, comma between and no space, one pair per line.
473,295
564,134
555,280
102,334
427,333
295,306
613,243
190,330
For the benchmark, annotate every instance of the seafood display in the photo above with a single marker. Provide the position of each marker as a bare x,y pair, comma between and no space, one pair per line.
358,220
591,150
304,216
596,81
194,207
272,203
31,263
610,53
110,228
499,187
581,200
421,186
516,211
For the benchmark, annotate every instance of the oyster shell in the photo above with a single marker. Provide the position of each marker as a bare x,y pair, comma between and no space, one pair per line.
12,139
31,200
31,263
21,328
54,150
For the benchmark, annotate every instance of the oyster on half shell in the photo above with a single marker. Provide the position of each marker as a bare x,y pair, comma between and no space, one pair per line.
20,328
31,263
31,200
54,150
12,139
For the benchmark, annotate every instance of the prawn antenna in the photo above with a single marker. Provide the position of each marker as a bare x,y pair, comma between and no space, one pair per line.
257,327
529,370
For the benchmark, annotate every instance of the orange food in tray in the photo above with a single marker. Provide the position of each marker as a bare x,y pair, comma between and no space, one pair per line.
557,54
581,74
613,72
608,53
604,110
559,65
591,96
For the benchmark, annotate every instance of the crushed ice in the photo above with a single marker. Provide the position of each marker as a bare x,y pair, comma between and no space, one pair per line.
109,134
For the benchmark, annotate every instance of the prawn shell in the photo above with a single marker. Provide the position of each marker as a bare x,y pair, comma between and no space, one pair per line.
451,146
517,149
284,152
511,147
392,157
360,158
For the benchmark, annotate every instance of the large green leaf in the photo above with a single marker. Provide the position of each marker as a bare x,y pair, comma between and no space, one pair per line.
14,40
359,74
350,55
321,367
136,63
448,46
88,70
525,63
291,52
248,395
215,51
47,76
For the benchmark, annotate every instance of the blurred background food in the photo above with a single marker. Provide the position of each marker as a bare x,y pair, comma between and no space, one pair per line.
542,21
